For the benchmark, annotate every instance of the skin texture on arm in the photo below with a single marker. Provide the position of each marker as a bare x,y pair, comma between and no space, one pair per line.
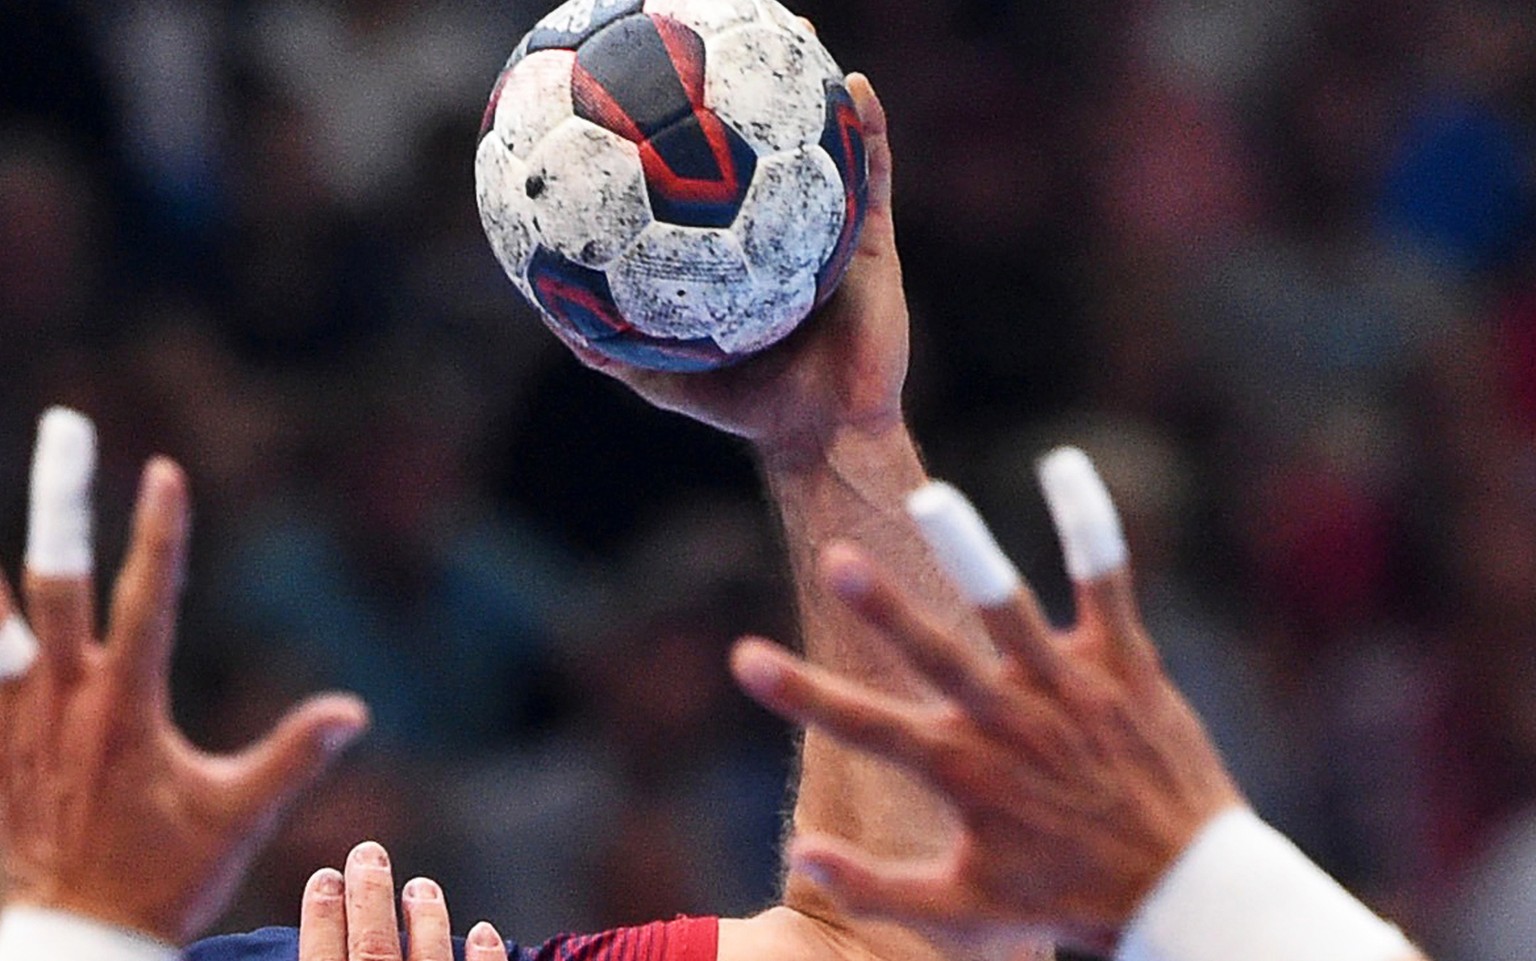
823,413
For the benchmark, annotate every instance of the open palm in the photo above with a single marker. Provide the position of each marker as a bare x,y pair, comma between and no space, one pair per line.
105,808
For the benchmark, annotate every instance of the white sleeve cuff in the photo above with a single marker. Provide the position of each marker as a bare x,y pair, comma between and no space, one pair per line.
1243,890
29,933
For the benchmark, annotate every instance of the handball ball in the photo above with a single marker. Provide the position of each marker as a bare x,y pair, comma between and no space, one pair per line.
675,184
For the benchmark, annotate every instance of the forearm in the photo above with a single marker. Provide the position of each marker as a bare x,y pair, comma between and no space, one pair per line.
853,488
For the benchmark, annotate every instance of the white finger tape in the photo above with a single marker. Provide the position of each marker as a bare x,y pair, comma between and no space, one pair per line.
18,648
59,528
965,548
30,933
1085,518
1243,890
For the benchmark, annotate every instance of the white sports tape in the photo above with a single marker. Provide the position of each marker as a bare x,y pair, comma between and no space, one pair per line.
30,933
1085,518
964,547
18,648
1243,890
59,530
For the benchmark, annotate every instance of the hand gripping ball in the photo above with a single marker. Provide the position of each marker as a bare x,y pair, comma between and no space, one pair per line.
675,184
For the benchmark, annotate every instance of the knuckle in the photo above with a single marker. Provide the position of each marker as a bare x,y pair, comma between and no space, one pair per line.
373,946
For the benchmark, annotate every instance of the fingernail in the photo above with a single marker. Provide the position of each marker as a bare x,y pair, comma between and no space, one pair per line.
759,674
483,935
370,854
335,739
814,870
327,882
423,889
847,574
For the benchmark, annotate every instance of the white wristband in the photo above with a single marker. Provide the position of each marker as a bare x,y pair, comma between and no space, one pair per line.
1243,890
29,933
59,526
962,544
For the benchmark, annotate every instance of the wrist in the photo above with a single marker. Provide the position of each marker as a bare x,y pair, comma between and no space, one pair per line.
1241,889
879,448
799,450
32,933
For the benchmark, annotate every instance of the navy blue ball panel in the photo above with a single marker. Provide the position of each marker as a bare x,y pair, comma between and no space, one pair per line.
625,79
697,172
282,944
843,139
642,77
579,299
569,36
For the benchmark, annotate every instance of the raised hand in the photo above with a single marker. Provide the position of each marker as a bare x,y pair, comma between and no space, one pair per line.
844,367
106,810
1079,772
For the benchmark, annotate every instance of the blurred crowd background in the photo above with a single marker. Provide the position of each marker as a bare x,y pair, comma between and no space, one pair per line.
1272,264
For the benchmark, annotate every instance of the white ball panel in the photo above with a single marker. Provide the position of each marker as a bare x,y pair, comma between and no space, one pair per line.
587,191
768,84
771,11
684,282
777,308
535,99
576,16
505,211
792,214
706,17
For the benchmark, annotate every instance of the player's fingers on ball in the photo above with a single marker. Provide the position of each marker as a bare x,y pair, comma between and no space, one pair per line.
812,696
18,645
484,944
323,918
144,602
904,891
428,934
809,26
946,660
372,929
877,145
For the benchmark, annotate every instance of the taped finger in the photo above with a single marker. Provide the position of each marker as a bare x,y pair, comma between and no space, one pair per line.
18,648
970,555
57,579
1093,548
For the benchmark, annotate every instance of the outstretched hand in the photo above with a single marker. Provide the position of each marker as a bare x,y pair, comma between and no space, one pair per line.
105,808
844,366
1079,772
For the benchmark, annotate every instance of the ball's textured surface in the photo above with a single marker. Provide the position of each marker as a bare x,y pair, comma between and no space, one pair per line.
674,183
